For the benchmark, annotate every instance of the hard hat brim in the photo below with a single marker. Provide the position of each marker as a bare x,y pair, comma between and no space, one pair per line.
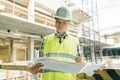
62,18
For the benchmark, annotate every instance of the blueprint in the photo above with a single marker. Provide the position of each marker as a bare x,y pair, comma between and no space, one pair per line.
69,67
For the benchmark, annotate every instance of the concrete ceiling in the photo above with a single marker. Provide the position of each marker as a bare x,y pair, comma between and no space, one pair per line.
22,25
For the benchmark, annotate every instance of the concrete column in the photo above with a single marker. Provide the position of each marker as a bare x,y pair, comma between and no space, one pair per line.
31,54
31,10
14,55
31,49
11,51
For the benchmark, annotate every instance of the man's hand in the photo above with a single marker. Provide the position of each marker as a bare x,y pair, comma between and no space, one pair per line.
98,71
80,59
35,68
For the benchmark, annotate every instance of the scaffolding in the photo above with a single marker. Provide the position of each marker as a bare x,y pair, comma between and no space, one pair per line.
90,31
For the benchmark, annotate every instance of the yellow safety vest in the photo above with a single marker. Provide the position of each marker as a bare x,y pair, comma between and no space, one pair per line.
66,51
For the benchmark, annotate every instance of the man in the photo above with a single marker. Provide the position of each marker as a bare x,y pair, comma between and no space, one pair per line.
60,46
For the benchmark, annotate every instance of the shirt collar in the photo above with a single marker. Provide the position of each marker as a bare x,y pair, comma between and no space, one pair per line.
58,35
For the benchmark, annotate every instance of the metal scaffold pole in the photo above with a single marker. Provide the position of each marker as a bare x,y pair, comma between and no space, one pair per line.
91,33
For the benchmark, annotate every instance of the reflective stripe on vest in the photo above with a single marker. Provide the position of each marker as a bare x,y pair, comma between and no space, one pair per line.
49,70
64,55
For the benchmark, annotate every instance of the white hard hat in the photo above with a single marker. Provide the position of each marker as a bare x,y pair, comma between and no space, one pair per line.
63,12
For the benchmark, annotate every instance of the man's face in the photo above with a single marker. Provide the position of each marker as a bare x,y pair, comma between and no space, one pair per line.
61,25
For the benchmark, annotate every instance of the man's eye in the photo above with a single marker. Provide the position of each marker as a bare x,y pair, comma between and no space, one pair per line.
63,22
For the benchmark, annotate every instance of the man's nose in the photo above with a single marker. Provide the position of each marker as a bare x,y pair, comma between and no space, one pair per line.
60,24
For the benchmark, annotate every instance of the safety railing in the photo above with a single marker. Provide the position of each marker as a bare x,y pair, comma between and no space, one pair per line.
13,75
17,70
